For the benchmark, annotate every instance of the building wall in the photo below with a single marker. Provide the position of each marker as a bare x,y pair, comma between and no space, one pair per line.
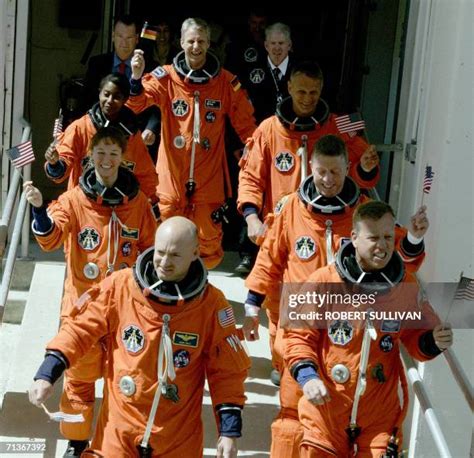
13,48
382,62
55,56
435,112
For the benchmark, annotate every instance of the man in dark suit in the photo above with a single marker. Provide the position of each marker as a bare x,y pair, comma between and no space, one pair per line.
125,38
266,79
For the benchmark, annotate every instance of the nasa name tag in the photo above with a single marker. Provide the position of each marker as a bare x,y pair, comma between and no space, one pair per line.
391,326
130,233
213,104
186,339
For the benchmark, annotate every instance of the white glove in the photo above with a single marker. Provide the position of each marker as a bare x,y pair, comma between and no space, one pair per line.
251,310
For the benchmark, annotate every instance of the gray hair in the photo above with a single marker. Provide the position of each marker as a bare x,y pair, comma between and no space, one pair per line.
278,27
196,23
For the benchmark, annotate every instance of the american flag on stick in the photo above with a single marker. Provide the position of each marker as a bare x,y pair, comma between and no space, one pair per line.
21,154
465,290
58,126
350,123
428,180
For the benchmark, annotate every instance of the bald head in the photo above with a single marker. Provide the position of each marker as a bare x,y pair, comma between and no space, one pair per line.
176,247
179,228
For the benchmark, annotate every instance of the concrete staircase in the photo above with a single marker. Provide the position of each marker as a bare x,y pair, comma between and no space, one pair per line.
39,325
22,352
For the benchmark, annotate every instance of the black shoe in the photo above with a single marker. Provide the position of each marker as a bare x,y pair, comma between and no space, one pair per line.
245,265
275,377
75,448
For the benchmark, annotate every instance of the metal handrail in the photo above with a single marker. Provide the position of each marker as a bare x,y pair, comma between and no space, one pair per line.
427,407
8,210
10,264
460,376
11,196
25,232
417,383
412,371
17,230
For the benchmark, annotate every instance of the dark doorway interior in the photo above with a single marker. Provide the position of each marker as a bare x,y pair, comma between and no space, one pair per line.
333,34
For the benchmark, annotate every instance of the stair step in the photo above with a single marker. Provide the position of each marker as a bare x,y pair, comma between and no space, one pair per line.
15,295
40,323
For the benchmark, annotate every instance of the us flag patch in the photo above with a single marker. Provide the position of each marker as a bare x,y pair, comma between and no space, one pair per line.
226,317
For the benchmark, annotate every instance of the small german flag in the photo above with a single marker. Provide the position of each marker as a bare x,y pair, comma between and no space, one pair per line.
235,83
148,32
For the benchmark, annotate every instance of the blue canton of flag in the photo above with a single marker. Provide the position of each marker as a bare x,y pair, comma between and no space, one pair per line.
428,181
350,124
226,317
21,154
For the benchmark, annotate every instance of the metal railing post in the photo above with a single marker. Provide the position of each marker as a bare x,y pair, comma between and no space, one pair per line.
25,235
8,271
426,406
8,209
11,196
460,376
25,232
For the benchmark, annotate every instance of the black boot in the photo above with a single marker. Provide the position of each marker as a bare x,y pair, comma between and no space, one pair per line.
75,448
245,265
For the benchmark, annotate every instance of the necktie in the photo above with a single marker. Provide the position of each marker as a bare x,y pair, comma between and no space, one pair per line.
277,73
121,68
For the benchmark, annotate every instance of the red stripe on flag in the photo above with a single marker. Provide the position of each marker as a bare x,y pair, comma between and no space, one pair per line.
58,127
21,154
465,291
428,179
349,123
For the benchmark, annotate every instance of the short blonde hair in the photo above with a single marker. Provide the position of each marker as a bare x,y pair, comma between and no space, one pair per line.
196,23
